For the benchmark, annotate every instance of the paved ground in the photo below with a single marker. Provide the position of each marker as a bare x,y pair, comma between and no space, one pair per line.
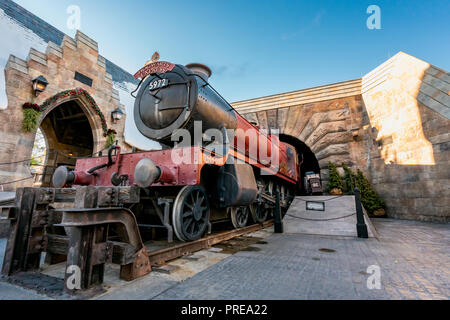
338,219
413,257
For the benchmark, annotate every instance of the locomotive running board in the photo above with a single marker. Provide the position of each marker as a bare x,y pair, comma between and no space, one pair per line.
161,257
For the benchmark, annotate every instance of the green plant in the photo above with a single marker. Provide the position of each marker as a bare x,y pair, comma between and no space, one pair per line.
369,198
110,138
334,179
30,119
349,179
35,162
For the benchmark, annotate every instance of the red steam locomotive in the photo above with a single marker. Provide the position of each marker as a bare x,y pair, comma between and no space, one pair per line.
214,165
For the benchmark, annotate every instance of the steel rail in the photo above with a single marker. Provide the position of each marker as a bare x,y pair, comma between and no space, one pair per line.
161,257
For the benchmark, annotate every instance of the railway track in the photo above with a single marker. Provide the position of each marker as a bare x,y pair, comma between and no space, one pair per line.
37,228
161,257
53,286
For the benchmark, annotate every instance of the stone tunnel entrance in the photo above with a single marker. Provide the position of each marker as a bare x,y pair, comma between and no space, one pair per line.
64,134
308,160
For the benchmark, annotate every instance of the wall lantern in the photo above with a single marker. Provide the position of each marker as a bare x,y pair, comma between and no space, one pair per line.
39,85
117,114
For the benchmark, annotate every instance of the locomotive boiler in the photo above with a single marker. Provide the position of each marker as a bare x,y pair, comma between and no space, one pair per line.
190,184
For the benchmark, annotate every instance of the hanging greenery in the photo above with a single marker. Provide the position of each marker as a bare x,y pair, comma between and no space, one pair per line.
335,184
35,162
31,115
110,138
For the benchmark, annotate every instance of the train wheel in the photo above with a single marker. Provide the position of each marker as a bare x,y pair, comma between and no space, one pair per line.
239,216
190,215
259,212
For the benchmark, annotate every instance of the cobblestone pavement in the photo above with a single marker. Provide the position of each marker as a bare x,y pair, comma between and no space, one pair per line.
413,258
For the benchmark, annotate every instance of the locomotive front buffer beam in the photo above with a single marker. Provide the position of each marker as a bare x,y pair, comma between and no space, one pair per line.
79,235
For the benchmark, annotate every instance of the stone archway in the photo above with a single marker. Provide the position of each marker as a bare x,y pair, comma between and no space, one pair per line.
73,127
71,63
326,122
93,113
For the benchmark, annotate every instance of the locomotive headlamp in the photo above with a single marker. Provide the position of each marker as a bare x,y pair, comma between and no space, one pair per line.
117,114
39,85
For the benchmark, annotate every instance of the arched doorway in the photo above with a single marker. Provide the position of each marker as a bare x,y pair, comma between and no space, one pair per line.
307,158
66,133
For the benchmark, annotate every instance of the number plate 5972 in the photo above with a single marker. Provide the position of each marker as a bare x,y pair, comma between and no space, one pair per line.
158,84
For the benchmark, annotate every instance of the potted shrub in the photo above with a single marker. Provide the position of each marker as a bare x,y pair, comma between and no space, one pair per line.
335,185
369,198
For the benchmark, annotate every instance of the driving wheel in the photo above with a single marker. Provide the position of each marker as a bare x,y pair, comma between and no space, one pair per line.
239,216
190,215
259,212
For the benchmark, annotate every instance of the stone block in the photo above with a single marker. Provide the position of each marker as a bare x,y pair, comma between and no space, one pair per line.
17,64
329,138
433,104
262,120
81,37
37,56
54,49
272,119
167,269
101,62
282,117
321,130
334,149
336,116
437,83
68,42
438,73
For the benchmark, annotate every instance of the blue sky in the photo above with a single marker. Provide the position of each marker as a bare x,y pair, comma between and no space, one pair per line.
259,48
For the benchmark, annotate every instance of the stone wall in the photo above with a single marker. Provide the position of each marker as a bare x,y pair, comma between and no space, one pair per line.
58,65
393,124
408,105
